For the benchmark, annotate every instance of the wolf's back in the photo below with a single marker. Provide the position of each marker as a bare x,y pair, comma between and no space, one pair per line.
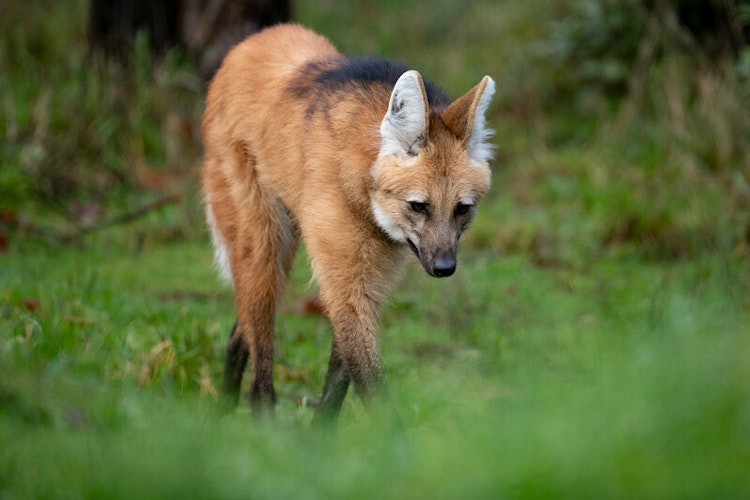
277,52
247,94
273,55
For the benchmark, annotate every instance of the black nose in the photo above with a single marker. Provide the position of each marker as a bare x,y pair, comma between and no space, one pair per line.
444,267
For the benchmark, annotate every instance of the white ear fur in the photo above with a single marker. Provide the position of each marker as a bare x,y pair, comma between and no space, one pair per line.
479,148
403,128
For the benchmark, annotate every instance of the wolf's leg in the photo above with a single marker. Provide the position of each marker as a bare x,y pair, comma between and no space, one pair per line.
259,241
353,273
265,255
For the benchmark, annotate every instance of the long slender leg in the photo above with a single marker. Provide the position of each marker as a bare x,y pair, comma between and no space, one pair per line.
357,359
353,275
258,239
264,257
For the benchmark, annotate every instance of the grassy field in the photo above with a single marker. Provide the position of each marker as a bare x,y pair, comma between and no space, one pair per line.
593,343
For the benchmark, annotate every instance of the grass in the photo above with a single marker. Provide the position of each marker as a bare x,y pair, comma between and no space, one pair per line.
624,379
593,342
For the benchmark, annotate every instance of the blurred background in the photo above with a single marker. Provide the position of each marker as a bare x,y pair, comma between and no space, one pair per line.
620,123
593,342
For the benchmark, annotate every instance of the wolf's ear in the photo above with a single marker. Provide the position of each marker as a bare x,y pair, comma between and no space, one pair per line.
403,130
466,119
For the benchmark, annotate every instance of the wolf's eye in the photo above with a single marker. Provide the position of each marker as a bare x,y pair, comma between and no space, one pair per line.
461,209
419,207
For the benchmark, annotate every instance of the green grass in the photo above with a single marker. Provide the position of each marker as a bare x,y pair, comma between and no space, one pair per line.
623,379
593,342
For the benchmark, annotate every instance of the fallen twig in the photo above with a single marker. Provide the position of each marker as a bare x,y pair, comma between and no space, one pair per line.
122,218
48,233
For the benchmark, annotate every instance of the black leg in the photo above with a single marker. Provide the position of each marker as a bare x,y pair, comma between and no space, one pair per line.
262,395
334,391
234,366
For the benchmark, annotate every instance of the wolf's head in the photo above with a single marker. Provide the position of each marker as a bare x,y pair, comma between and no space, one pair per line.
432,170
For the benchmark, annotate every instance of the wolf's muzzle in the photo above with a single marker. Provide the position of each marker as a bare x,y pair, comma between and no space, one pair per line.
440,266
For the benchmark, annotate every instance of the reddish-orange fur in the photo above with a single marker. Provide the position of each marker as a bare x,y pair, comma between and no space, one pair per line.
275,171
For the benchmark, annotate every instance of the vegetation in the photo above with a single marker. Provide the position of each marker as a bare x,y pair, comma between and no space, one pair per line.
593,342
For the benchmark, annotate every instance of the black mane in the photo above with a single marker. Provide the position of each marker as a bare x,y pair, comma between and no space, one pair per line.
371,69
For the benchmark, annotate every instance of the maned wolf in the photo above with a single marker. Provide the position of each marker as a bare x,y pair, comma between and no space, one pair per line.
358,157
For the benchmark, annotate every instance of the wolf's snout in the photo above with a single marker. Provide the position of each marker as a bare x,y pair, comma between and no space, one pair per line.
440,266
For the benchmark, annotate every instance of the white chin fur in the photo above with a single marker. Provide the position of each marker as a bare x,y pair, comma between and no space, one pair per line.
386,223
